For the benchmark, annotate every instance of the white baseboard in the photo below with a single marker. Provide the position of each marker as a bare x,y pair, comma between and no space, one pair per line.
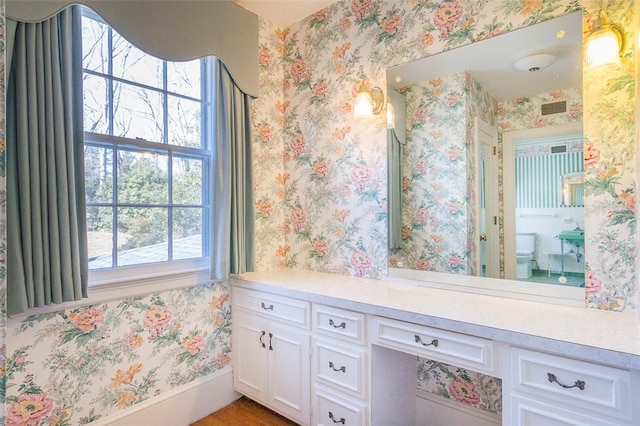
181,406
437,410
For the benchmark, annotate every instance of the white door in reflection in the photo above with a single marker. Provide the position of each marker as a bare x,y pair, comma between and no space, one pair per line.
486,138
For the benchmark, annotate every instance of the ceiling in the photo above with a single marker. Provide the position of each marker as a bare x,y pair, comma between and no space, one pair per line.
284,12
491,61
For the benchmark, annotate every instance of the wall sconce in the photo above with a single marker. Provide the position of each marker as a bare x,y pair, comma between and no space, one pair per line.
605,43
391,115
367,102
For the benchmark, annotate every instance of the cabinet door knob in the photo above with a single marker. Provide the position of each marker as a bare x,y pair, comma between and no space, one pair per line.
580,384
261,336
270,338
434,342
266,308
333,367
342,420
341,325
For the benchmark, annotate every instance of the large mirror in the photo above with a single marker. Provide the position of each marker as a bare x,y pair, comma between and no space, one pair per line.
488,141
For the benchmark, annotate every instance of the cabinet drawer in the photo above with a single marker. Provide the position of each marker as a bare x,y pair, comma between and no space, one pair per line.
457,349
329,409
528,412
594,387
339,323
339,366
272,306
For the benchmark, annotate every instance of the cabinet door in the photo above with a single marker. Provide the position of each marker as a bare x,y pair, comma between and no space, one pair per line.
289,371
249,352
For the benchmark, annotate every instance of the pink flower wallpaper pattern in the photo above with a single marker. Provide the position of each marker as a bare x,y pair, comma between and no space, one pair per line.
320,193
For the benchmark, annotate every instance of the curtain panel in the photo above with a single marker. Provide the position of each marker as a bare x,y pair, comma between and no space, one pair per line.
232,226
46,223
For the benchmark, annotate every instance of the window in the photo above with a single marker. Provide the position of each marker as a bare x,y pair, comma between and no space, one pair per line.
147,152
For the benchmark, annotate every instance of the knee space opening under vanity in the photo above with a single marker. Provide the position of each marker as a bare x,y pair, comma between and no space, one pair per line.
460,396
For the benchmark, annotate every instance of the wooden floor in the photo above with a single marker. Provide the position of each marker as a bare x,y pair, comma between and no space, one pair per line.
244,412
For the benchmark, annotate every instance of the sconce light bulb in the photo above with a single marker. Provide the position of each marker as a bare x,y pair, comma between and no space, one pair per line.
391,115
605,43
363,105
602,49
368,102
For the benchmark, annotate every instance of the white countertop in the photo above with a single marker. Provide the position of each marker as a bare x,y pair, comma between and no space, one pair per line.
602,336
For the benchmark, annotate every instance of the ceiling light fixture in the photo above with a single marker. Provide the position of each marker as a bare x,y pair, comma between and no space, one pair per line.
605,43
534,63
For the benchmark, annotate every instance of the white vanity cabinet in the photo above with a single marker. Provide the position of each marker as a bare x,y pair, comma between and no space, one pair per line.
340,367
327,349
271,351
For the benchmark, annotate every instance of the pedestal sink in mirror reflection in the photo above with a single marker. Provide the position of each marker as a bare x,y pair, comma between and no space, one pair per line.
574,237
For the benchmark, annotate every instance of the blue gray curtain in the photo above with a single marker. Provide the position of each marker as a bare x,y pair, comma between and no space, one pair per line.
232,245
47,249
394,183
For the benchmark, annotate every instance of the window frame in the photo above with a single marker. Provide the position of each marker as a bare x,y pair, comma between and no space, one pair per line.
145,272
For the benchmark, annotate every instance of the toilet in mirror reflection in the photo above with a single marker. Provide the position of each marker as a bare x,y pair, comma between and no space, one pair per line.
525,247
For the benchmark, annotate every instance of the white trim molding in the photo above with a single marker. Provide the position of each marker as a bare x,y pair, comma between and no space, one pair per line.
181,406
135,286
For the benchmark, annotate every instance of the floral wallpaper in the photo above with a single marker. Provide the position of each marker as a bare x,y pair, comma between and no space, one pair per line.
610,178
324,200
461,385
320,193
76,366
272,183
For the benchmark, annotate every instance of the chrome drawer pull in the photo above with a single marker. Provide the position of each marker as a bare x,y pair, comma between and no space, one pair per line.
342,324
261,336
342,420
333,367
434,342
266,308
578,383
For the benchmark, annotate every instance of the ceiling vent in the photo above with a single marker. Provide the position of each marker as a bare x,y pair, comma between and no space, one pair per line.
553,108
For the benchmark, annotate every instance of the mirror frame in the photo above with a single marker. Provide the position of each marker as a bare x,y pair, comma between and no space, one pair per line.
521,290
568,184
